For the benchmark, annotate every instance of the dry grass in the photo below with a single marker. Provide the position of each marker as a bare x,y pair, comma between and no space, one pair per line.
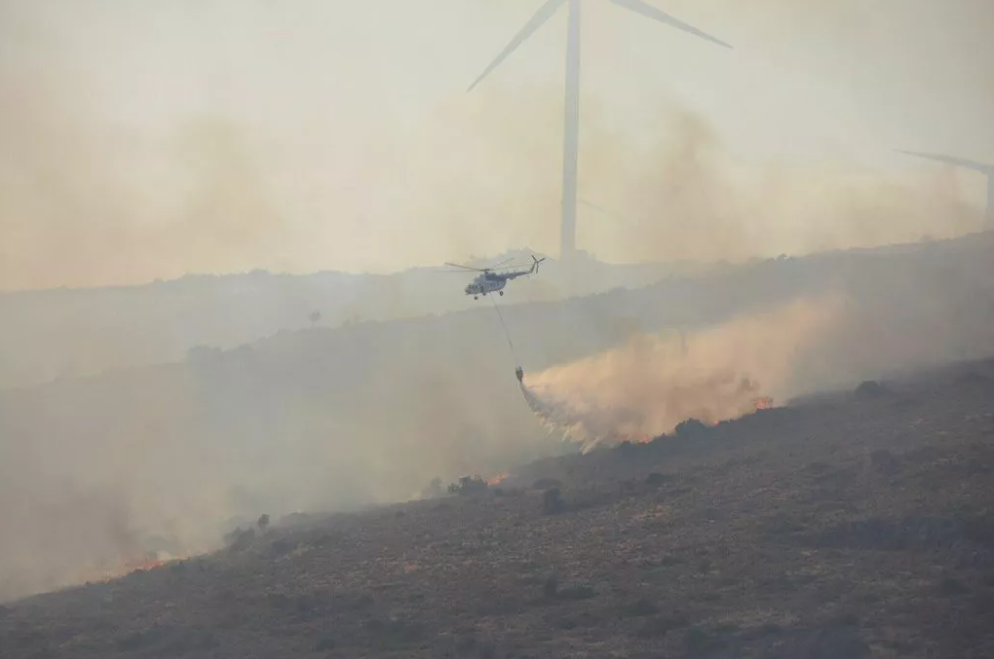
849,526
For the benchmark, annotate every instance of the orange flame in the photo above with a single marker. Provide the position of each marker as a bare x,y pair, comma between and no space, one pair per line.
764,403
143,563
498,479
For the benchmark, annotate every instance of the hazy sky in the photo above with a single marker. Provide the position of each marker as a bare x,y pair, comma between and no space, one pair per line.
142,140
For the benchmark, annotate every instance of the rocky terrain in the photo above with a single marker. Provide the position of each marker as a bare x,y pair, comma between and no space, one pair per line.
857,524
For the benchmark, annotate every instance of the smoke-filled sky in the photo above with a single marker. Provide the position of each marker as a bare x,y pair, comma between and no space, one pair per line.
147,140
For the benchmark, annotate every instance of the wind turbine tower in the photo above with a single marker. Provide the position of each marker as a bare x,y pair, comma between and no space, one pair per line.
571,132
988,170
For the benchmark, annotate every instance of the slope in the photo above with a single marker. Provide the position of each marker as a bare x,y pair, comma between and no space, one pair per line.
851,525
170,456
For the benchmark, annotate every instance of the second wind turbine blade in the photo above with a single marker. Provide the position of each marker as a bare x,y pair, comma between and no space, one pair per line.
647,10
541,16
950,160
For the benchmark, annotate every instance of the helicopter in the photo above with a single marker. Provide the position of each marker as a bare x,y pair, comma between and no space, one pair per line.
489,281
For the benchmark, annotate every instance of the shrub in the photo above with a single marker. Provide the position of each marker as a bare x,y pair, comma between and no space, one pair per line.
469,485
552,501
393,633
655,479
143,639
884,461
240,539
168,641
551,586
837,642
433,490
952,586
846,619
577,593
487,650
626,448
325,644
655,627
701,642
690,428
642,607
770,629
983,604
284,546
869,389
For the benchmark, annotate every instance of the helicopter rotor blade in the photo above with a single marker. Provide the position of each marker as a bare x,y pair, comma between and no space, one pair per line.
466,267
501,263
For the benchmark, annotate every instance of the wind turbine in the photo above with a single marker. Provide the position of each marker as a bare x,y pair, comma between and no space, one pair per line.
567,249
968,164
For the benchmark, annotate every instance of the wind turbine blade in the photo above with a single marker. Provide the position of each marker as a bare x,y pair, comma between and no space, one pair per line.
647,10
949,160
541,16
464,267
608,213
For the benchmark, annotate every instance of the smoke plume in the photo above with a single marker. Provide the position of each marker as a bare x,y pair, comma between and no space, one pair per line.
655,381
348,142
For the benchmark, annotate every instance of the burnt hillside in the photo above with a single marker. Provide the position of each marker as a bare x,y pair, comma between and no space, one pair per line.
852,525
336,418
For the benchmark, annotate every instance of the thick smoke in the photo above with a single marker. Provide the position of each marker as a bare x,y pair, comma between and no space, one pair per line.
67,534
87,198
93,469
671,184
655,381
107,178
192,153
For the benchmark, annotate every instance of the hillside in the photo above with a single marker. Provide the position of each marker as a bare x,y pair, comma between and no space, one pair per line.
169,457
65,333
846,525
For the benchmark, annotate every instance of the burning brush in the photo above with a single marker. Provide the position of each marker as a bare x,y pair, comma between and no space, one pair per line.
763,403
497,480
147,561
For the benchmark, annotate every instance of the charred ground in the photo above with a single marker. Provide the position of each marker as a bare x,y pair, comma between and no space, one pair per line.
852,525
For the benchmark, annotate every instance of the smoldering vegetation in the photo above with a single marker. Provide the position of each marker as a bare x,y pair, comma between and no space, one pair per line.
850,325
169,458
653,382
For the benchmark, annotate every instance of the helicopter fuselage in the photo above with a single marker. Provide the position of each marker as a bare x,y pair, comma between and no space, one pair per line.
488,281
485,284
